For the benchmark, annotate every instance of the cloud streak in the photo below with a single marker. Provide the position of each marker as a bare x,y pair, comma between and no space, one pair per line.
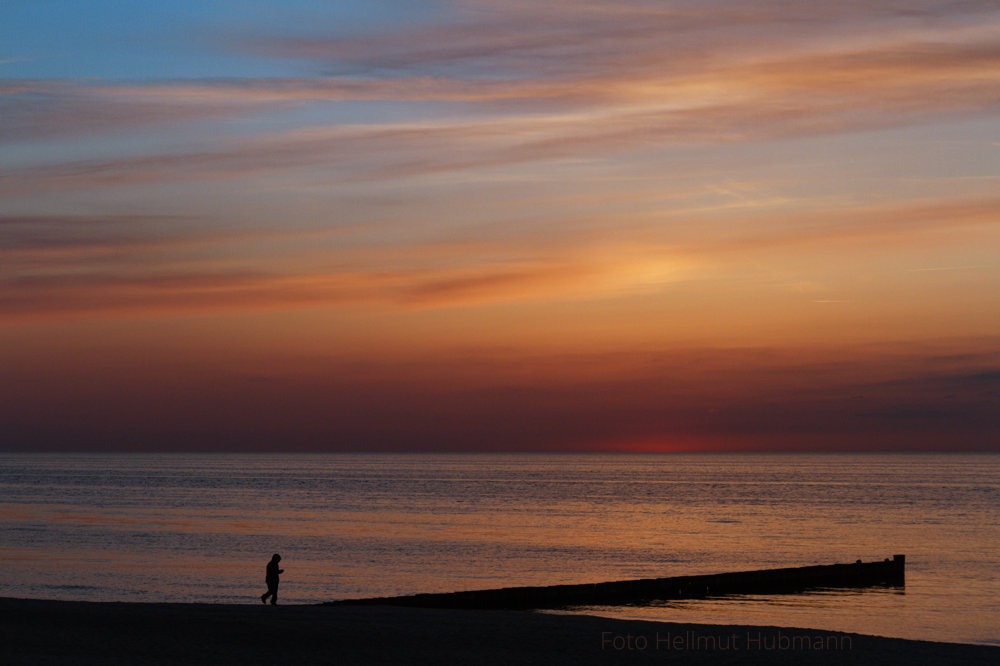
80,290
393,151
610,80
559,38
65,266
43,110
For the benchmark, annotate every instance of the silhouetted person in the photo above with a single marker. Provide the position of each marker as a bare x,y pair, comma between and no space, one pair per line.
272,580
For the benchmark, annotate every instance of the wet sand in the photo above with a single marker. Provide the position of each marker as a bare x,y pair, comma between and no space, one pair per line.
66,632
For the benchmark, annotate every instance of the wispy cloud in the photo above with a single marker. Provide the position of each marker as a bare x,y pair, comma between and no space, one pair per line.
54,233
606,78
85,293
934,269
60,267
32,110
412,149
566,37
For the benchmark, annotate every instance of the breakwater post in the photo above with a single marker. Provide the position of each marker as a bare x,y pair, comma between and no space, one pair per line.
889,572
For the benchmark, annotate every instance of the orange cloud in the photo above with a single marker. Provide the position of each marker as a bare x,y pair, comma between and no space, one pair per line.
106,266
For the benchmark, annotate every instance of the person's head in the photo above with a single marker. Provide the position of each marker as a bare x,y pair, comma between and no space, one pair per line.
276,558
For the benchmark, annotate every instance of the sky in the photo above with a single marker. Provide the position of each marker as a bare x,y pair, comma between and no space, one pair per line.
469,225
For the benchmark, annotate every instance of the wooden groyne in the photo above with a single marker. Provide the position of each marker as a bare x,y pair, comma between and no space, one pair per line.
766,581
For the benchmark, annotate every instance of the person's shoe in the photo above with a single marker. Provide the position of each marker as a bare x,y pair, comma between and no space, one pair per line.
263,599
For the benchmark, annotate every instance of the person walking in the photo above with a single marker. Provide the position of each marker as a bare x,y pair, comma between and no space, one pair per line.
272,580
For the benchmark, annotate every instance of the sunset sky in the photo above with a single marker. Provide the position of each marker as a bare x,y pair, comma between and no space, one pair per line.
471,225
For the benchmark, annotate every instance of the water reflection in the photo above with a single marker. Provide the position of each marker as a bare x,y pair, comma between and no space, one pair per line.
810,597
875,610
119,528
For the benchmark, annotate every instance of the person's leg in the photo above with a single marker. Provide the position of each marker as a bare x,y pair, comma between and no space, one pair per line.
272,591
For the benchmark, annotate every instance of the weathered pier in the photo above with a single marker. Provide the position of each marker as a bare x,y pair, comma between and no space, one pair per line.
766,581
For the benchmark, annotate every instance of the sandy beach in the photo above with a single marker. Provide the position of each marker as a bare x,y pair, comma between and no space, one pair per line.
68,632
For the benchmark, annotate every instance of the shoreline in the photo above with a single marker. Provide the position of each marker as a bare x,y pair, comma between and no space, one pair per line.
81,632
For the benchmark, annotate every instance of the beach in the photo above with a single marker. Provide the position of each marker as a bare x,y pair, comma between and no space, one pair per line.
42,632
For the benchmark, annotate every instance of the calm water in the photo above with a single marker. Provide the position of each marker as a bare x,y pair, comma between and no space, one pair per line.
202,527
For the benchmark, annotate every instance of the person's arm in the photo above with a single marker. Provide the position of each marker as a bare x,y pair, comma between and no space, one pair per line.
281,571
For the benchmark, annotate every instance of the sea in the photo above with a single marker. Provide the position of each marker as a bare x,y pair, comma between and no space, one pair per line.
202,527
